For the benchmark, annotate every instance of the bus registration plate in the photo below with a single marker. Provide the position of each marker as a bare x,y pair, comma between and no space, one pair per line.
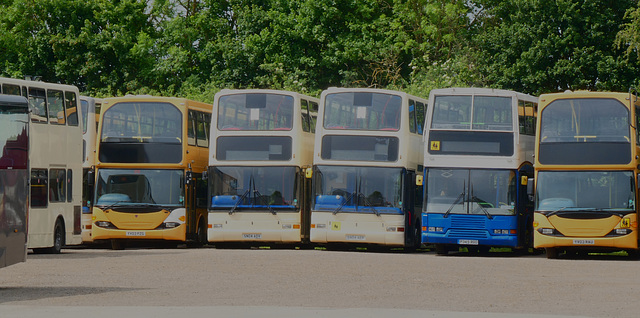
136,233
355,237
252,236
584,242
468,242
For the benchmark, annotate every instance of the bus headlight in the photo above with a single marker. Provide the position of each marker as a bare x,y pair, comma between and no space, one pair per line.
105,224
548,231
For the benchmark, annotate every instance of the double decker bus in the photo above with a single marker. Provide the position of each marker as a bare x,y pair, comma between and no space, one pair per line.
14,173
367,163
55,163
478,164
151,154
261,146
90,112
586,168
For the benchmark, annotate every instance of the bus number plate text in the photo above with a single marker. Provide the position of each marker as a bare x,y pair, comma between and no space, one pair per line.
468,242
584,242
252,236
136,233
355,237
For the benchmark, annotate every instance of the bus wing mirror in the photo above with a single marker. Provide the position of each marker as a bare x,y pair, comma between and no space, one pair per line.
530,188
419,180
205,175
308,173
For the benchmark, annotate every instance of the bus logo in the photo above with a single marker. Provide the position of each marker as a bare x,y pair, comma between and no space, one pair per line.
336,226
435,145
625,223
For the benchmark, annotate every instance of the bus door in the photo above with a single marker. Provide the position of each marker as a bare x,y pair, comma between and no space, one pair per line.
524,207
190,203
412,208
305,205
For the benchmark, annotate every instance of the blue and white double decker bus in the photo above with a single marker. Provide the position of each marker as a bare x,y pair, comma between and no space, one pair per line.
368,155
478,158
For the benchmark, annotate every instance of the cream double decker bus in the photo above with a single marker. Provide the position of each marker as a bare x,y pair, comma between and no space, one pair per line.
55,163
586,166
151,154
261,146
367,168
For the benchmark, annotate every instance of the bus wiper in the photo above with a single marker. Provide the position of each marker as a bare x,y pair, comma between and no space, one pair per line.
242,197
112,205
368,204
263,199
573,208
343,204
477,200
456,202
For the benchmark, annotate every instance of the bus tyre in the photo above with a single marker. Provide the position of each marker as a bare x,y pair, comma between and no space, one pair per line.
117,244
58,241
441,249
552,252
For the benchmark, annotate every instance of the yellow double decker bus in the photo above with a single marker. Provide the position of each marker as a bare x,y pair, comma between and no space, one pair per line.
150,157
586,173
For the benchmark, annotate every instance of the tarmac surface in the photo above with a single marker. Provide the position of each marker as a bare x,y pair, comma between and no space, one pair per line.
181,282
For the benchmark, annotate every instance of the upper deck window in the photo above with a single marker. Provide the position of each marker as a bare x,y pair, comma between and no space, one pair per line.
584,120
255,111
585,131
473,112
363,111
141,132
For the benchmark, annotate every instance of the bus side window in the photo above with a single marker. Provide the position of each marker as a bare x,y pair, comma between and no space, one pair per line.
420,117
57,185
201,132
313,116
69,185
37,104
412,116
55,101
39,188
71,105
191,128
305,115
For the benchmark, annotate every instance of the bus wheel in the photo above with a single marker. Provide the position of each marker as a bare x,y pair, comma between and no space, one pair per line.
441,249
552,252
58,241
117,244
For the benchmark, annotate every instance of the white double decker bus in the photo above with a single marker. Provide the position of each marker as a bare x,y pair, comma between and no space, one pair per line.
55,162
368,154
261,146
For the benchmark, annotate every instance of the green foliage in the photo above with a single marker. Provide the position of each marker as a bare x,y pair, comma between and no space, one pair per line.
193,48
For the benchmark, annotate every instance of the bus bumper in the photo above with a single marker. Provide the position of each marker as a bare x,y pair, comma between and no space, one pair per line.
254,227
175,234
357,228
611,241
